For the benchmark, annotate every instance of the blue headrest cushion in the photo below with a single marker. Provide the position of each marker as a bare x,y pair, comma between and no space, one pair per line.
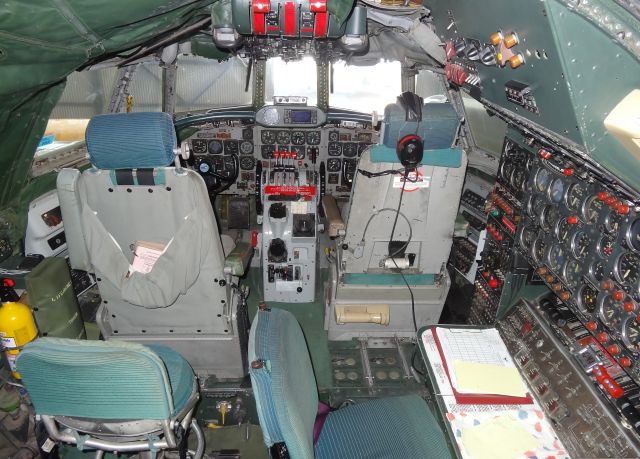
131,140
438,128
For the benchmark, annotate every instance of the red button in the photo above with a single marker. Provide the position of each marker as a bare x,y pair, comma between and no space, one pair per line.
602,337
568,172
618,295
610,200
493,283
591,326
629,306
606,284
613,349
8,282
572,220
625,362
623,209
603,196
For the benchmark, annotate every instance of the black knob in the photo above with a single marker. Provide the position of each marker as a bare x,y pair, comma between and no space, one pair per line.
222,283
345,246
277,252
299,290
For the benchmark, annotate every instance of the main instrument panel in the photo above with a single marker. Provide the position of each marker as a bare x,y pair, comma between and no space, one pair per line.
221,146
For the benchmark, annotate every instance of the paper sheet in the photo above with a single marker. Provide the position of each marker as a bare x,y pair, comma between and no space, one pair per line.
503,437
483,378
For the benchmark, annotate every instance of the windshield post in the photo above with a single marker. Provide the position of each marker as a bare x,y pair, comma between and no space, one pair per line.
259,75
408,79
323,67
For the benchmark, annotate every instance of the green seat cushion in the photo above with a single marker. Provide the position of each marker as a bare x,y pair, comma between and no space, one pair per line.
180,375
395,427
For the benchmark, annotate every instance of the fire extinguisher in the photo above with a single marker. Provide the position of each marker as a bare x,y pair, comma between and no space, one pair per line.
17,326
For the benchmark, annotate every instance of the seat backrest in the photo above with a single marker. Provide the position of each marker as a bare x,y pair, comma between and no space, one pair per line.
95,379
284,386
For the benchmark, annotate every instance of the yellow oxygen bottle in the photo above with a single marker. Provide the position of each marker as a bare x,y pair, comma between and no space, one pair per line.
17,328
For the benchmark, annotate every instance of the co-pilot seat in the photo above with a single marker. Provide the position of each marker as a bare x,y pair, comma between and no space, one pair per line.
366,294
133,194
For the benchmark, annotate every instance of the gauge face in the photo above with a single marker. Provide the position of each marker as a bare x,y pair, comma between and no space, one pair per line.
538,250
575,196
507,170
333,164
591,209
580,245
531,205
572,272
605,246
215,147
230,147
350,149
596,270
313,137
550,216
612,222
542,179
334,136
610,310
631,333
267,151
527,236
633,235
587,298
268,137
518,179
246,147
247,134
247,163
627,269
562,230
204,167
335,149
199,146
298,138
283,137
556,190
556,258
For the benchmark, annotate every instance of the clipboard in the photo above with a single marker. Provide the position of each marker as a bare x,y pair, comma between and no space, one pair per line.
475,399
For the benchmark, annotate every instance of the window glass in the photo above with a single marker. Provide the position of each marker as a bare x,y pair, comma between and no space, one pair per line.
293,78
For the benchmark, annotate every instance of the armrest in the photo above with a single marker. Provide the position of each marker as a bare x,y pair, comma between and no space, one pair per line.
332,213
238,260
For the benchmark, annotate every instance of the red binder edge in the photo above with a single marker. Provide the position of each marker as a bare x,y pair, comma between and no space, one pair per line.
478,399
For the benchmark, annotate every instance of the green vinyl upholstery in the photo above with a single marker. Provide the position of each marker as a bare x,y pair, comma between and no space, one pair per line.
287,399
105,380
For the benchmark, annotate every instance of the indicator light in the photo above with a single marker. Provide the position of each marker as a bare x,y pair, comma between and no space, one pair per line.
567,172
591,326
618,295
572,220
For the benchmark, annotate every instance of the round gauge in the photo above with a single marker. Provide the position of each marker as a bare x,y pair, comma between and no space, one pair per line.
215,147
587,298
267,151
297,138
627,269
335,149
633,235
247,134
350,149
572,272
334,136
333,164
605,246
199,146
563,229
204,167
610,310
556,190
631,333
247,163
596,270
612,222
575,196
246,147
532,204
538,249
527,236
591,209
549,218
580,244
268,137
230,147
556,258
517,179
506,171
313,137
542,179
283,137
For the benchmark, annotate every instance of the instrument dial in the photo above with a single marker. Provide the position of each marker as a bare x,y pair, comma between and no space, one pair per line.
350,150
556,190
563,229
268,137
507,170
631,333
283,137
550,216
591,209
230,147
247,133
246,147
199,146
298,138
532,206
334,136
313,137
247,163
575,196
267,151
605,246
633,235
596,270
627,269
587,298
612,222
518,179
527,236
572,272
333,164
542,179
556,258
538,249
215,147
580,245
610,311
335,149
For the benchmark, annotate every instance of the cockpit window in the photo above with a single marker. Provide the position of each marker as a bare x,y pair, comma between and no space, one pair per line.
293,78
365,88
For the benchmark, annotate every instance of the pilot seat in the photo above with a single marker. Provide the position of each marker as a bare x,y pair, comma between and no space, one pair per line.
134,198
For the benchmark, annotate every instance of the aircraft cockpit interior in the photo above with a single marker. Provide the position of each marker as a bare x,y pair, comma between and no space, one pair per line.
298,229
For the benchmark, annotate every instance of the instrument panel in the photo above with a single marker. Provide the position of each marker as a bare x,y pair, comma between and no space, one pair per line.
584,242
337,145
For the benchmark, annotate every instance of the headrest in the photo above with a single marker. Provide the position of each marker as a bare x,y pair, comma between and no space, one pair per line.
131,140
438,127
